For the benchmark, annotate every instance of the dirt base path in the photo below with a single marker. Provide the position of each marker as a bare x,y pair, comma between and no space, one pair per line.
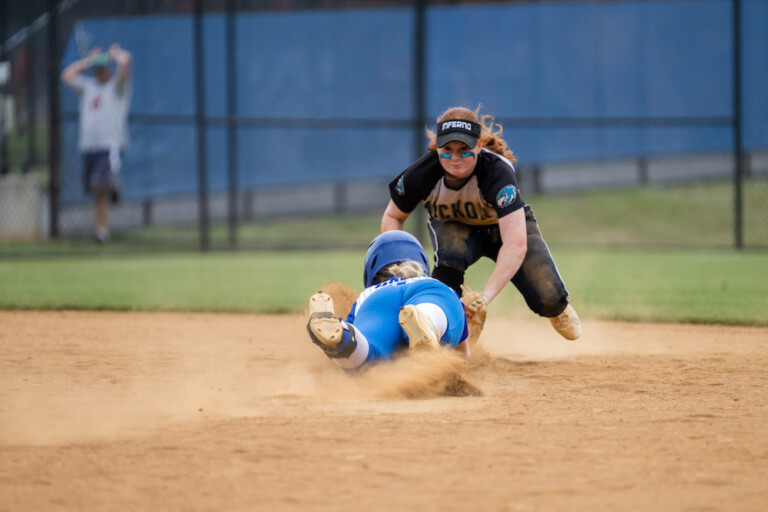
136,411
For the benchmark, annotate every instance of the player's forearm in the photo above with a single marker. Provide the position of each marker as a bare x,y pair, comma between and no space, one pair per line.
71,72
393,218
124,61
120,55
389,223
508,262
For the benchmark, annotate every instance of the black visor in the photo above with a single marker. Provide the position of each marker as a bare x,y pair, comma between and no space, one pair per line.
461,130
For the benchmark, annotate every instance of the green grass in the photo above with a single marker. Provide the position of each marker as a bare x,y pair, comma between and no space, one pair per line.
700,215
694,216
671,286
636,282
239,282
318,232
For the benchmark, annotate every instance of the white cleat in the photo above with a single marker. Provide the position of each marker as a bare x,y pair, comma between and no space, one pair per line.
326,327
320,303
418,327
567,323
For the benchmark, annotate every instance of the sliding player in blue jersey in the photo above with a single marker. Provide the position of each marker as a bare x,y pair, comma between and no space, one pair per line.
401,308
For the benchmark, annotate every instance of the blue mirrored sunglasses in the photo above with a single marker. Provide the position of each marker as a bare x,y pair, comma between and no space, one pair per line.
463,155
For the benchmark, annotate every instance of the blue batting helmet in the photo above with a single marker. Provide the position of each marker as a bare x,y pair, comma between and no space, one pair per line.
392,247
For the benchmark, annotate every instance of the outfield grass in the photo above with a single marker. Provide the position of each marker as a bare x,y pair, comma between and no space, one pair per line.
692,216
634,282
672,286
699,215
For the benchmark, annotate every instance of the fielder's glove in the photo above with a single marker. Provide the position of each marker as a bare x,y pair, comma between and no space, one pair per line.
476,309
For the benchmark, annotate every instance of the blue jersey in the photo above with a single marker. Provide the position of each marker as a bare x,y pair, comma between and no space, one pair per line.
376,311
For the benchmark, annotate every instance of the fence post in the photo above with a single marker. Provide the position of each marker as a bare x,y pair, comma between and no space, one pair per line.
202,154
537,188
32,53
419,99
642,171
738,153
3,147
231,56
340,189
146,212
54,120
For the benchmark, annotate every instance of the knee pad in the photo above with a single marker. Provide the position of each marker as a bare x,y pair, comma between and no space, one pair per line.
545,293
450,277
550,306
539,280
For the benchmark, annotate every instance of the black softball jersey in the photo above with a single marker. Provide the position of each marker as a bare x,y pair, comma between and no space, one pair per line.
489,194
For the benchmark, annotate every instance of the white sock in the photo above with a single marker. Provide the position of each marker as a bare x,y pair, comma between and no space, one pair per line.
357,358
436,315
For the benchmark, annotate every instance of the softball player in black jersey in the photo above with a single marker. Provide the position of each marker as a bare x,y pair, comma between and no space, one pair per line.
467,184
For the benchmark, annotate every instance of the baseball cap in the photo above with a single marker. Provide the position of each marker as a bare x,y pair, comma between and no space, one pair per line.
462,130
100,60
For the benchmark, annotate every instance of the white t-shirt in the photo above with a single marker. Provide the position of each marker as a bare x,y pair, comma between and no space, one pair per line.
103,113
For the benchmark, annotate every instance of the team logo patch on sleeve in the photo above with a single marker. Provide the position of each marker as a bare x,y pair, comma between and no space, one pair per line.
506,196
400,188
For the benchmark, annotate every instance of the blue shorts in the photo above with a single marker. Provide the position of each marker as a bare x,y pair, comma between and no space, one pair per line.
97,173
377,314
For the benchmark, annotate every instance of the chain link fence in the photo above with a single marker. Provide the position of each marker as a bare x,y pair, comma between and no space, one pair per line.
278,124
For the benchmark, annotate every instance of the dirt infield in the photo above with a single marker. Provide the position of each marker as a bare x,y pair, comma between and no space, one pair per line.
137,411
